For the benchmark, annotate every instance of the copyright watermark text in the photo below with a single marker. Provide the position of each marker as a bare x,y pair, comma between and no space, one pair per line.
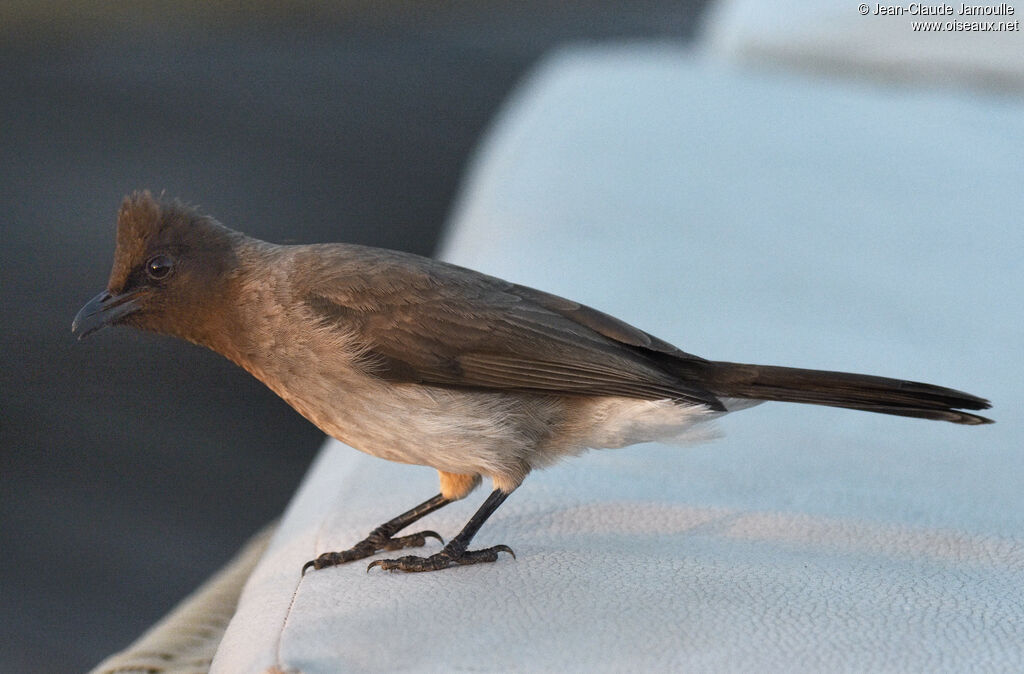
961,17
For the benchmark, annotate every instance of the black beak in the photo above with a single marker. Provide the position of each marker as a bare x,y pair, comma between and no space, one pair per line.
103,310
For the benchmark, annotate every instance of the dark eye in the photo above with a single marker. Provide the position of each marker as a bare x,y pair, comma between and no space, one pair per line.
159,267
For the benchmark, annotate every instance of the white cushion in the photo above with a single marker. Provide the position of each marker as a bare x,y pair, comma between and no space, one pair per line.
825,36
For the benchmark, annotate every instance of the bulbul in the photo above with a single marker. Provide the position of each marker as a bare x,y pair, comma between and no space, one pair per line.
422,362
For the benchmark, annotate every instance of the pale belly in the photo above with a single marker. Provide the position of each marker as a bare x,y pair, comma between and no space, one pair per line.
493,434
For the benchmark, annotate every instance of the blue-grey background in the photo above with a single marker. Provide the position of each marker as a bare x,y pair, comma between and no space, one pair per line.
134,465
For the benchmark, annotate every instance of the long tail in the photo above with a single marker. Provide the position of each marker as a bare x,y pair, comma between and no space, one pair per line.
838,389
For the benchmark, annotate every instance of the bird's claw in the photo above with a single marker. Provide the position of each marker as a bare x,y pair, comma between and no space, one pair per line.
411,541
368,547
441,560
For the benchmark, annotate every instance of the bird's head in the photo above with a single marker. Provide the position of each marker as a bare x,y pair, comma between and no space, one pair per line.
169,264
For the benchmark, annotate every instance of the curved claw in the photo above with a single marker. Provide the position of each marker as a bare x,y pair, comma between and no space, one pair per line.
305,567
376,562
432,534
415,540
504,548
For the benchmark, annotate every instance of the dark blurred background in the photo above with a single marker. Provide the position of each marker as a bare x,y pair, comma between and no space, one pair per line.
133,466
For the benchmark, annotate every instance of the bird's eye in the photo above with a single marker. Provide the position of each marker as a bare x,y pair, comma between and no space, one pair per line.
159,267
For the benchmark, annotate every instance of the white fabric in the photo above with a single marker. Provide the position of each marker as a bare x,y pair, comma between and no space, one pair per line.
826,36
743,217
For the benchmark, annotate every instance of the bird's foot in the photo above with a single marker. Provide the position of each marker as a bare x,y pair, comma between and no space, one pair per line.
371,545
441,560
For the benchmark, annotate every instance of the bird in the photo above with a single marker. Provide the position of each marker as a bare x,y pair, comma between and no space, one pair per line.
419,361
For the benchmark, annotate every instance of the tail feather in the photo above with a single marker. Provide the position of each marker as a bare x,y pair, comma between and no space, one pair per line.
840,389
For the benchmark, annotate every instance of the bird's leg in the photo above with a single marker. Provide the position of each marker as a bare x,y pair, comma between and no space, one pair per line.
382,538
455,553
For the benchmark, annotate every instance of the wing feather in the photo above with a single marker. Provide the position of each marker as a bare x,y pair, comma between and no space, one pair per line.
428,322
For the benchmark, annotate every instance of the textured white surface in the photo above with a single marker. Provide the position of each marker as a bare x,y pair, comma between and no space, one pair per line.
743,217
825,36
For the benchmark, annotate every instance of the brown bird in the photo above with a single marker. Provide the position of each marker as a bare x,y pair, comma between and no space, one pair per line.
419,361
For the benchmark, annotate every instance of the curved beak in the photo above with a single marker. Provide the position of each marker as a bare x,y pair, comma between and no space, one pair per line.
103,310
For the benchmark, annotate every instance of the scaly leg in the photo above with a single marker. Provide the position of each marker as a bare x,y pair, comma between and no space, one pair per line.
382,538
455,553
